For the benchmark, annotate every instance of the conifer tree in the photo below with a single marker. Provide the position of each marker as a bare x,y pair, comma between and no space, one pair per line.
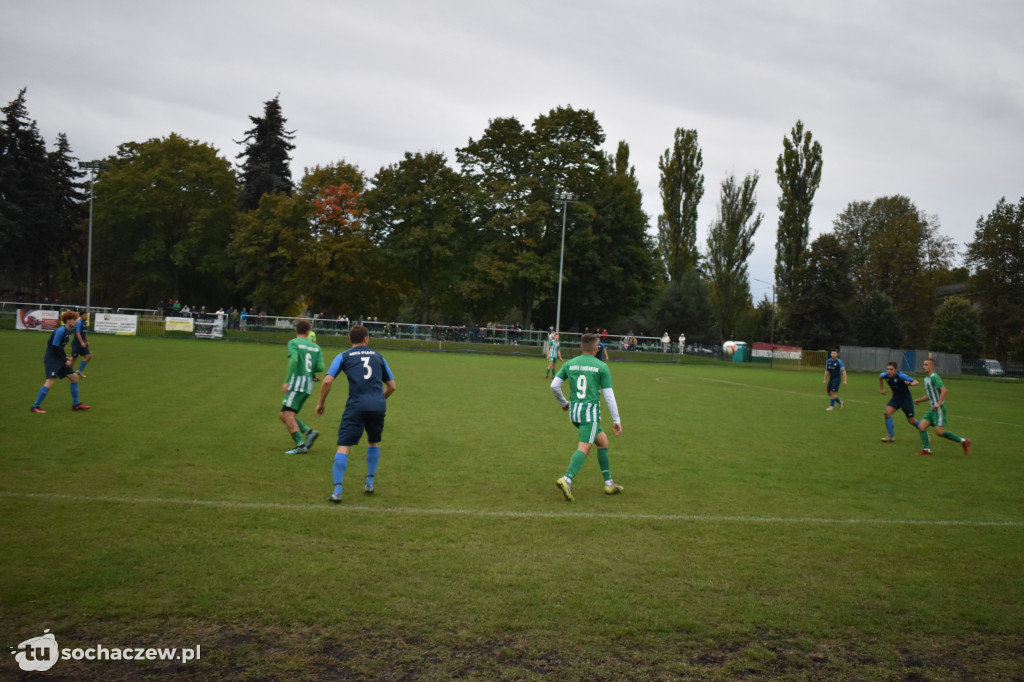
265,160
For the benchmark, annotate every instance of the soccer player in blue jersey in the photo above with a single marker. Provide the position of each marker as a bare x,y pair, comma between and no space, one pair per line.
834,369
900,384
80,344
370,382
58,364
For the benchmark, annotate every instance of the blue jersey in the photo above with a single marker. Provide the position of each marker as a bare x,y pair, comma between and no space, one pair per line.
367,371
55,345
82,327
835,368
898,384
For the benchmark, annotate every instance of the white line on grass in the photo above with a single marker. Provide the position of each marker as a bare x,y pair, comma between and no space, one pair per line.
228,504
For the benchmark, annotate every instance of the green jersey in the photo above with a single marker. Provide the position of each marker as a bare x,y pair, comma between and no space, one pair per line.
586,376
553,348
304,360
933,388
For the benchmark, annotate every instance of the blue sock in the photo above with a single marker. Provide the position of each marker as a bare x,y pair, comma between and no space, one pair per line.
40,396
82,365
888,427
372,460
74,393
340,464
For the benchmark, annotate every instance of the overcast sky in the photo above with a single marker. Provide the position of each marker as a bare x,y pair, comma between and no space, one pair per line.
921,98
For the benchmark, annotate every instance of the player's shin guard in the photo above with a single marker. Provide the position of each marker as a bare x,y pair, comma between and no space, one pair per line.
604,463
889,427
82,364
575,464
340,465
372,460
40,396
302,427
926,442
949,435
74,393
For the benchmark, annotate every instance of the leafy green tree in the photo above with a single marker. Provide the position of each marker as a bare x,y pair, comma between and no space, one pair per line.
875,322
798,170
682,187
416,209
819,295
163,216
957,329
730,243
996,261
265,165
684,306
614,260
509,266
265,248
28,238
568,158
897,250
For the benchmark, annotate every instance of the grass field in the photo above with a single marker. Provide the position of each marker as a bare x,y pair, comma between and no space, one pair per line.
758,536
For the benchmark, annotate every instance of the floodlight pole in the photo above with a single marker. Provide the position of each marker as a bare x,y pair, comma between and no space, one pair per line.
92,167
566,198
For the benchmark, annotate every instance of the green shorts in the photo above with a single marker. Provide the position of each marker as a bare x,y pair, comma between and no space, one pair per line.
588,431
293,401
936,417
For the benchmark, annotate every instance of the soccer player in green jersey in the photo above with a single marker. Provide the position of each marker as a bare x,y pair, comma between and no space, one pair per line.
589,379
554,353
304,361
935,394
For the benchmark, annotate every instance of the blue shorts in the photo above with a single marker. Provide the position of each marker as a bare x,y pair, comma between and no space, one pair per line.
906,404
353,424
78,349
833,385
57,369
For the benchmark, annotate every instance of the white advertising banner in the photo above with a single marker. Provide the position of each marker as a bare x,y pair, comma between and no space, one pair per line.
179,324
37,320
108,323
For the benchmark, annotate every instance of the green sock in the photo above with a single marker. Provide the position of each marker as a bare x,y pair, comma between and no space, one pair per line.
952,436
297,437
926,442
302,427
575,464
602,461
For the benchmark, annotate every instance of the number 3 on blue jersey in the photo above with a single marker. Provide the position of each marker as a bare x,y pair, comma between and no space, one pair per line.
366,366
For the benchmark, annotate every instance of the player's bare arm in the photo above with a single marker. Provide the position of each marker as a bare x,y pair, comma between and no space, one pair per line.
389,388
325,388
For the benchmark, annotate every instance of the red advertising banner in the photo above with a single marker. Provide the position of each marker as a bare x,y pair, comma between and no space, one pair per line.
37,320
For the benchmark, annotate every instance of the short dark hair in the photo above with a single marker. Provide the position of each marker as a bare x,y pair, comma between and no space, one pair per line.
892,364
358,333
588,342
303,327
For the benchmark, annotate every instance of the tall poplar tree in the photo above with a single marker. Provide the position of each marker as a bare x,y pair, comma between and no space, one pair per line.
265,160
730,243
798,170
682,186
